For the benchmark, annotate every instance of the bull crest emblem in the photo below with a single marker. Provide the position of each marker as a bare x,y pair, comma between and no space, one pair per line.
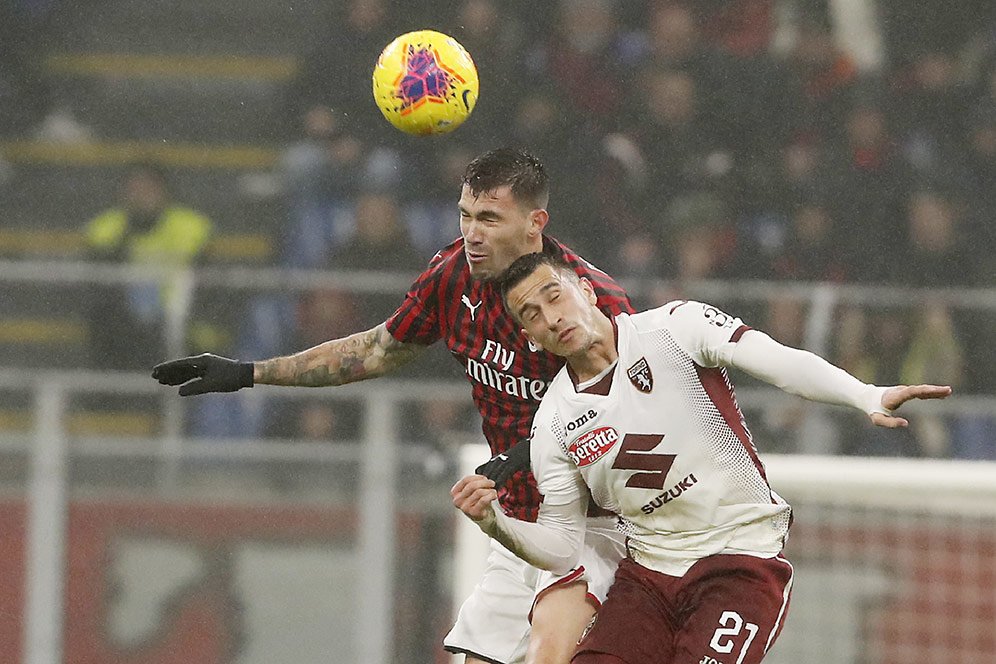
639,374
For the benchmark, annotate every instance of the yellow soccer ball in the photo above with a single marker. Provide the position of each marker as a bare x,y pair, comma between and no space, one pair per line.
425,82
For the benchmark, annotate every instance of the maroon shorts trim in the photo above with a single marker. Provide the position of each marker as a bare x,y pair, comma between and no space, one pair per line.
571,577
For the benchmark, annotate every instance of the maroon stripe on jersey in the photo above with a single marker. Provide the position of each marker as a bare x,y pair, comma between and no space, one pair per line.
682,303
456,312
739,332
450,282
717,386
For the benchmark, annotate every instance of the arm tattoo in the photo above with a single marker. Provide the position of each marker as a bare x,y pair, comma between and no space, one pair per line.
356,357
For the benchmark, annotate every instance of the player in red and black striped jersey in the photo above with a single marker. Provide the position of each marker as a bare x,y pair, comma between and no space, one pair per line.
502,217
508,376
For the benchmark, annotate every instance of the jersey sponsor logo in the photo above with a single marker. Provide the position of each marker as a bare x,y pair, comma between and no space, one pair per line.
587,417
516,386
473,307
592,446
497,376
640,375
497,354
667,496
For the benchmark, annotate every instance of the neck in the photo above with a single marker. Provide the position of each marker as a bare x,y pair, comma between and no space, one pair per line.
599,354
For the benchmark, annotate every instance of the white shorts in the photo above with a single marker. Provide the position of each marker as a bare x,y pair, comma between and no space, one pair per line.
493,623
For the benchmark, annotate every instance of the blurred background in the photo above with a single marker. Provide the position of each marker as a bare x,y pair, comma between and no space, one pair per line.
209,175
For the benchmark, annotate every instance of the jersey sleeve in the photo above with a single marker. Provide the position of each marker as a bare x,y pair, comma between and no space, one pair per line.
707,334
804,374
557,477
554,541
612,298
417,319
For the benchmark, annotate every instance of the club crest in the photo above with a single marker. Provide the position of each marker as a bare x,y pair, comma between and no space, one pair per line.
639,374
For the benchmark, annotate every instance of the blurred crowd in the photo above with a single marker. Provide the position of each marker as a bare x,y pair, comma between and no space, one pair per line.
702,140
716,139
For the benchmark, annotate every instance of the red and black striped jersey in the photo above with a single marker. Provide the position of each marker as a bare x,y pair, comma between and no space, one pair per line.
507,375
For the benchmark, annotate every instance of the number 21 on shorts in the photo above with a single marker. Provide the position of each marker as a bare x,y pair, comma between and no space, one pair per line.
731,627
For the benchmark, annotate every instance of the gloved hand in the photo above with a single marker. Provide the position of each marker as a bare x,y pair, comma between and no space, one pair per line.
205,373
501,467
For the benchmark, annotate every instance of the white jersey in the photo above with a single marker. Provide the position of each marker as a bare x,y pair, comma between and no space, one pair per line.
661,441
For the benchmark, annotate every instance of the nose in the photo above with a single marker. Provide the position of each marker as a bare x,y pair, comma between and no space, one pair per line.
472,232
553,320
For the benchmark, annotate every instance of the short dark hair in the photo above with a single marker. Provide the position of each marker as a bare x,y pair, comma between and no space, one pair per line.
525,265
522,171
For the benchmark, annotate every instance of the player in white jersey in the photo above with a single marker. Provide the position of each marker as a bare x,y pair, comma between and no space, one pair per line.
644,415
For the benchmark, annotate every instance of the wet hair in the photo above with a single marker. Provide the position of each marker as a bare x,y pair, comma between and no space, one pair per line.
525,265
518,169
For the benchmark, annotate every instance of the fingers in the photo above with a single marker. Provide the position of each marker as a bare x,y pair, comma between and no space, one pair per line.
888,421
931,391
896,396
193,388
176,372
473,495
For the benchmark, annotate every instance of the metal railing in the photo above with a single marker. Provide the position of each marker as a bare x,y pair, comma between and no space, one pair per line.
378,452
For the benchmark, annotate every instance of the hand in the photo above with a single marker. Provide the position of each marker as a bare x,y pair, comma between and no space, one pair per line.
205,373
473,496
501,467
894,397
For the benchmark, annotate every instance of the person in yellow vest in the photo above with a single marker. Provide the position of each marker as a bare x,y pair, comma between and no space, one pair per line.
148,229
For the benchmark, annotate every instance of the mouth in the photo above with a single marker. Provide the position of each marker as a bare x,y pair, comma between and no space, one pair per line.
565,335
475,258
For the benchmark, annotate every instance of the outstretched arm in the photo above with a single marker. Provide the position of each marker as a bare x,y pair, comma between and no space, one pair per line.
356,357
807,375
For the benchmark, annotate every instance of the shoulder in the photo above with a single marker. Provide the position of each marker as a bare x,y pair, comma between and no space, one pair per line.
680,316
107,227
178,214
447,263
582,266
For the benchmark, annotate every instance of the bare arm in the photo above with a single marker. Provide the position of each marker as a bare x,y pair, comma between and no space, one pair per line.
356,357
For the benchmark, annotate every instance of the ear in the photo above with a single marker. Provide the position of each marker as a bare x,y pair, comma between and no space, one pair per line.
530,339
588,290
538,220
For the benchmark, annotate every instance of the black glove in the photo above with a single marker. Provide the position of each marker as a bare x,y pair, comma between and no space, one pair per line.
502,466
206,373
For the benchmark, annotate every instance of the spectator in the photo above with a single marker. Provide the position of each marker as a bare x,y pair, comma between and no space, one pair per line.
812,249
578,59
336,73
675,43
431,216
935,350
494,38
930,107
826,79
681,151
147,230
381,239
870,182
321,175
934,253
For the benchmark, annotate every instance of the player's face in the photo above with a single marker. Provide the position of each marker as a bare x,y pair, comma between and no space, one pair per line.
557,312
497,229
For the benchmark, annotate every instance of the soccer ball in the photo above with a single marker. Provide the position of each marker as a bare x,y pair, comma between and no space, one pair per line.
425,83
